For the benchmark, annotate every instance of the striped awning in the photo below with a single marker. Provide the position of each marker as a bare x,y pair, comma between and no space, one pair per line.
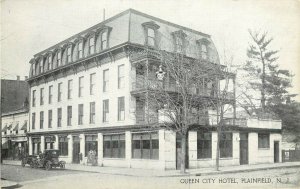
16,127
24,127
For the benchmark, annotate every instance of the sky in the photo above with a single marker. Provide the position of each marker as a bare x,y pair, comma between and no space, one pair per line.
30,26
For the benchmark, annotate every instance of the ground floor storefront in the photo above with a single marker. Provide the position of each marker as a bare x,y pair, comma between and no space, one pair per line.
14,147
161,148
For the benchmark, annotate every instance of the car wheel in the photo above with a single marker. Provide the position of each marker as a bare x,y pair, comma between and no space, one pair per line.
62,166
23,163
48,166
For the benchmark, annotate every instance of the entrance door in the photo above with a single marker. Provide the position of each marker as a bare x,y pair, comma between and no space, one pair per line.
276,151
76,149
243,148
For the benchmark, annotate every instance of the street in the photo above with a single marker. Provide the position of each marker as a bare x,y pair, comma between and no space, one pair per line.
56,178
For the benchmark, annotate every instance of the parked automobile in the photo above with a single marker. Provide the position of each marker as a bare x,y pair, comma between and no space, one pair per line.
48,160
28,159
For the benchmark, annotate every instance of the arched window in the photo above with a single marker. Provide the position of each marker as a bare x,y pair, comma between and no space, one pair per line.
104,40
92,45
58,58
50,62
80,49
69,54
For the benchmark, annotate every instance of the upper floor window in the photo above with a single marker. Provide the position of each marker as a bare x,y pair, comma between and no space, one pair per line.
80,87
70,88
80,49
58,61
92,112
121,109
33,69
69,54
204,51
92,45
105,110
80,114
33,121
41,68
121,81
203,47
33,98
104,40
105,80
59,117
59,92
150,30
179,41
50,94
50,63
92,83
42,96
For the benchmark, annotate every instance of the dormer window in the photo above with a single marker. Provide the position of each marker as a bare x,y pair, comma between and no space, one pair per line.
104,40
150,30
58,58
50,63
179,41
203,48
92,45
204,51
69,53
33,69
80,49
41,66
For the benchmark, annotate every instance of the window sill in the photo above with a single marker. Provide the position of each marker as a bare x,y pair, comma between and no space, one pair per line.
135,159
204,159
108,158
226,158
263,148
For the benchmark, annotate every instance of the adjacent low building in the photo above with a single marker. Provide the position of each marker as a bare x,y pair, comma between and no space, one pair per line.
87,93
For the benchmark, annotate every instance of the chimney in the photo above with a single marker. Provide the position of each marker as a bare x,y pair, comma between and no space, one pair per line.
26,77
18,77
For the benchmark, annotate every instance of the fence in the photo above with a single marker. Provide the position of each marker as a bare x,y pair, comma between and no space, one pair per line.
290,155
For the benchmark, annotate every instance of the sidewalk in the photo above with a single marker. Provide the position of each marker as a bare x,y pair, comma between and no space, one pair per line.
171,173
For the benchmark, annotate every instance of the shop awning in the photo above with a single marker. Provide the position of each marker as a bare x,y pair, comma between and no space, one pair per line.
4,128
16,127
24,127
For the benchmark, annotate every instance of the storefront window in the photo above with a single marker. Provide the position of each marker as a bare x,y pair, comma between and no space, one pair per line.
203,145
226,145
91,144
145,146
263,140
114,146
63,145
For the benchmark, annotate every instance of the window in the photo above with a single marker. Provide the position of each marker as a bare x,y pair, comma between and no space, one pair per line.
92,112
33,69
263,140
70,88
145,146
41,120
121,109
49,118
69,121
33,98
92,45
105,110
63,145
80,86
42,96
114,146
121,76
179,44
150,37
80,49
58,58
105,80
103,40
59,116
226,145
69,54
59,88
203,145
92,83
50,63
204,51
91,144
41,66
33,121
49,142
80,114
50,94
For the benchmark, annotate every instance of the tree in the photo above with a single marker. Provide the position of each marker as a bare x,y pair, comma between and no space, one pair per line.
262,68
181,91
